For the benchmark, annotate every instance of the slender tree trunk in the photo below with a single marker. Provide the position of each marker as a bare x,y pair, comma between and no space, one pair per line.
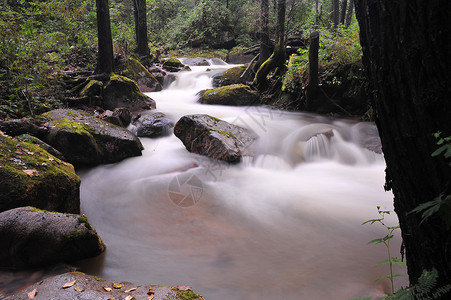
335,12
265,43
344,4
141,27
317,12
105,41
312,87
278,57
349,13
406,51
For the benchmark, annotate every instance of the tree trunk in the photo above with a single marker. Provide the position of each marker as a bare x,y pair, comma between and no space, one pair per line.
265,43
141,27
344,4
105,41
312,87
335,12
278,57
349,13
406,51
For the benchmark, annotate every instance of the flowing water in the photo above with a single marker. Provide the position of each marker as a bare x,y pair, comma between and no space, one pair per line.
285,224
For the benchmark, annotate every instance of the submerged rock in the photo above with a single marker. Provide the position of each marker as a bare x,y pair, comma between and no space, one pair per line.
232,95
212,137
32,237
29,175
94,288
153,125
197,61
84,139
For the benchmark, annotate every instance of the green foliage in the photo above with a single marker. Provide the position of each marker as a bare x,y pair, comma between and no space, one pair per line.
386,241
424,289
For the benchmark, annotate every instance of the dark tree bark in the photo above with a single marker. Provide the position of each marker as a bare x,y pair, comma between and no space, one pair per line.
335,12
141,27
265,43
406,51
278,57
344,4
105,41
312,87
349,13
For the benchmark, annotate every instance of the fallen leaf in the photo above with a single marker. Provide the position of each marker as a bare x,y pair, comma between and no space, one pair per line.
184,288
51,158
32,294
117,285
150,291
130,290
43,164
28,152
69,284
107,289
31,173
150,297
18,151
78,289
129,297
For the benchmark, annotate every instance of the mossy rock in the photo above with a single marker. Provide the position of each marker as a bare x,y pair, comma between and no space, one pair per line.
232,95
30,175
174,65
94,288
121,91
92,89
233,76
145,80
84,139
38,237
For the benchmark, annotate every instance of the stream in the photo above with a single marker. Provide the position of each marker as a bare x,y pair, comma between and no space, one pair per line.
285,224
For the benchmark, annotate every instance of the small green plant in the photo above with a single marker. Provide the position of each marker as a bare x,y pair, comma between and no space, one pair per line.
386,241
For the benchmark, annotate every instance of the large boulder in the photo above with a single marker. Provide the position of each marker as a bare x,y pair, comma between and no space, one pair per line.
121,91
174,65
32,237
233,76
233,95
153,125
212,137
196,61
76,285
30,175
84,139
133,69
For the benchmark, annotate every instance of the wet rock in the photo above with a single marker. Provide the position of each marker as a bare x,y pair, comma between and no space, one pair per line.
94,288
34,140
33,237
153,125
197,61
121,91
233,95
84,139
133,69
29,175
124,115
233,76
15,127
174,65
212,137
108,116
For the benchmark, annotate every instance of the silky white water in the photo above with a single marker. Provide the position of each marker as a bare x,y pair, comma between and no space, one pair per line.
285,224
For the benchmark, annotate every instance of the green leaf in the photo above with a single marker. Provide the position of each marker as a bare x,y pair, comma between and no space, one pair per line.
439,151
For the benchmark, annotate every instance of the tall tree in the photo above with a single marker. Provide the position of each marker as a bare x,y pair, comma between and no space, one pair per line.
349,13
406,46
265,43
335,12
105,41
278,57
344,4
140,13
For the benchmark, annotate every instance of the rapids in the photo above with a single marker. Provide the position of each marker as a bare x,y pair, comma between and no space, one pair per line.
285,224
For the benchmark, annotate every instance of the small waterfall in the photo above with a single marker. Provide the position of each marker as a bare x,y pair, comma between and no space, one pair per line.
318,146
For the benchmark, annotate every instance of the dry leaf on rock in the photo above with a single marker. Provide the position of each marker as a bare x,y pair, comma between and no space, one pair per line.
130,290
32,294
31,173
78,289
150,297
150,291
69,284
107,289
129,297
117,285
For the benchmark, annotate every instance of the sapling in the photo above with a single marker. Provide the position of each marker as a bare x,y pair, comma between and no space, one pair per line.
386,241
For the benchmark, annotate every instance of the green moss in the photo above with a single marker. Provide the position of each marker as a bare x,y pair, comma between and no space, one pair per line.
172,62
84,220
187,295
93,88
74,235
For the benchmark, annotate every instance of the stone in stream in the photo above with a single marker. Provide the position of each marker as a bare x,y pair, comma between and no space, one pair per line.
77,285
29,175
153,125
32,237
212,137
232,95
84,139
